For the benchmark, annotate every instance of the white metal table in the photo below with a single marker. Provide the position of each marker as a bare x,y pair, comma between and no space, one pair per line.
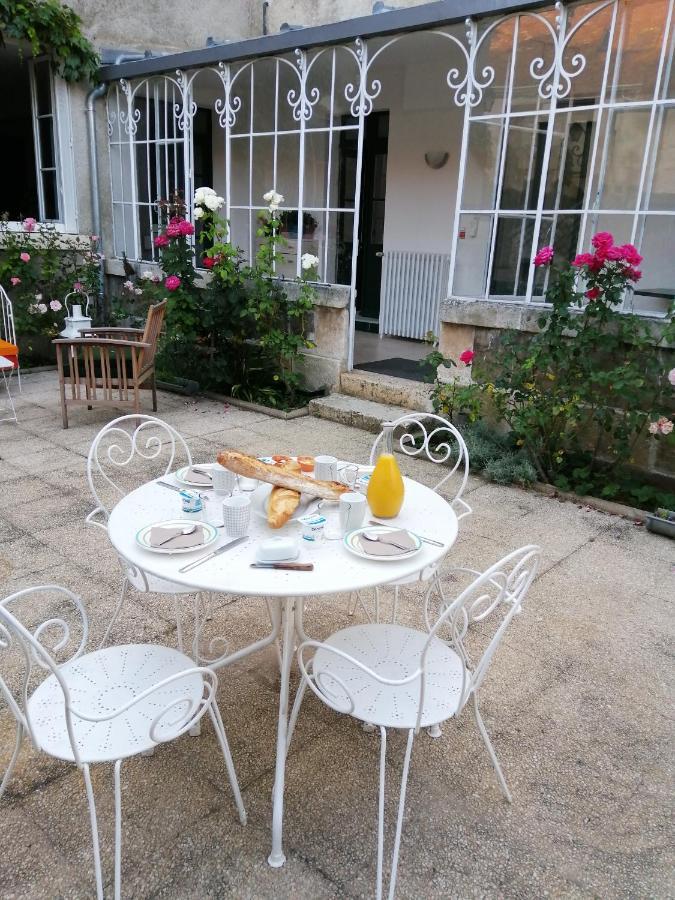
336,570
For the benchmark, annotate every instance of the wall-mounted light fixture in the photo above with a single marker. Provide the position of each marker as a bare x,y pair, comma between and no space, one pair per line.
436,159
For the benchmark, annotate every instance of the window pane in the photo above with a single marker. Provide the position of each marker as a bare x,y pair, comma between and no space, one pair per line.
342,243
316,167
314,238
663,184
565,238
620,226
495,53
346,73
288,154
319,79
655,291
46,132
637,56
289,85
50,196
589,42
511,263
239,231
240,98
534,42
263,168
624,146
18,194
264,76
522,169
239,172
480,179
571,151
472,255
43,87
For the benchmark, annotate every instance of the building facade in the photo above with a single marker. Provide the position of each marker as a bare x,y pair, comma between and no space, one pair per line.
424,153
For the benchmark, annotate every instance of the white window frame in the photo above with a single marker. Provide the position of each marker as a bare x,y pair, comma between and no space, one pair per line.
64,163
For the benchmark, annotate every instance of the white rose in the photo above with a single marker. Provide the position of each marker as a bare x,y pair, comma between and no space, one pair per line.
214,202
129,285
202,193
147,275
39,297
308,261
198,213
273,199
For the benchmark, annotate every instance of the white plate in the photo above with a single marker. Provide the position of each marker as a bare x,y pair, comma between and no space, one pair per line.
209,531
352,544
182,473
261,495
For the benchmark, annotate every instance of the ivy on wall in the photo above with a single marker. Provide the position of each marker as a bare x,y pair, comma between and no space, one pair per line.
53,30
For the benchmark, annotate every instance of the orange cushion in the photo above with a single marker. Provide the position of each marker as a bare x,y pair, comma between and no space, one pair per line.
10,352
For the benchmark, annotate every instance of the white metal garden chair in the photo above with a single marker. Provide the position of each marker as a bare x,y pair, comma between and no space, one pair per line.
105,706
114,449
397,677
428,436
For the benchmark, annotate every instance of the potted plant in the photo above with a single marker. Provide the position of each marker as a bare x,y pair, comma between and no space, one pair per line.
662,522
288,219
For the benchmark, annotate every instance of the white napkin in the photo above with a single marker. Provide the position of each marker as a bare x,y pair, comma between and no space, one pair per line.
176,540
382,547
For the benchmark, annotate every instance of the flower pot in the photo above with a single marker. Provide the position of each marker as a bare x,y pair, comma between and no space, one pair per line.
665,527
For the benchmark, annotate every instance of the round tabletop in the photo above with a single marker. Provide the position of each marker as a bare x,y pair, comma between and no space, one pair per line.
336,569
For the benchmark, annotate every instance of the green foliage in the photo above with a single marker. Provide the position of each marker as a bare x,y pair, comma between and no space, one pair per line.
52,29
37,286
456,397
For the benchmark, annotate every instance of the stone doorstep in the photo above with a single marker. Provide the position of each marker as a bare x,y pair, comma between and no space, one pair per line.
355,411
386,389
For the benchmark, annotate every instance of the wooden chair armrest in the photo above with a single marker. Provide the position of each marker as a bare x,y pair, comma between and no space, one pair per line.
99,342
111,330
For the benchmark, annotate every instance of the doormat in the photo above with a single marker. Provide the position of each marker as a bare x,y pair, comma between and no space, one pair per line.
400,368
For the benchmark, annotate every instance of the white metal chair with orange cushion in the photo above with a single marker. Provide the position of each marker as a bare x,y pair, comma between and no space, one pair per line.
403,678
99,707
6,369
9,347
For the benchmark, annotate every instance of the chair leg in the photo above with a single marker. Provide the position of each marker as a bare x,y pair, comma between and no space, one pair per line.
179,621
401,808
94,832
216,718
154,393
118,609
490,749
118,832
15,756
196,729
380,812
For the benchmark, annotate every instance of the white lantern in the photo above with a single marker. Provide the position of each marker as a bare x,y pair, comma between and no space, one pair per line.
74,321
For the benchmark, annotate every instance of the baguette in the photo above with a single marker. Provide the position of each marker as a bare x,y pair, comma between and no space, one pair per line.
250,467
281,505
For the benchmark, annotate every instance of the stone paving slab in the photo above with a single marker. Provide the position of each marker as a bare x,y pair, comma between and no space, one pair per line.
578,702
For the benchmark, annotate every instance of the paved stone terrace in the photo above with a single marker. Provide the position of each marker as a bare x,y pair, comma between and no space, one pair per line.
578,701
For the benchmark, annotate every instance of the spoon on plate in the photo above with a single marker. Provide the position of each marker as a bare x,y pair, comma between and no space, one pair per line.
189,529
385,539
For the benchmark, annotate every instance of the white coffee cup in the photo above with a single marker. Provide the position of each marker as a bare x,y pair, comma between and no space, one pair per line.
352,511
223,480
237,515
325,468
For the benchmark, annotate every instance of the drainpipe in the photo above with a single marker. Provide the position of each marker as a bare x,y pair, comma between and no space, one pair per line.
265,8
99,91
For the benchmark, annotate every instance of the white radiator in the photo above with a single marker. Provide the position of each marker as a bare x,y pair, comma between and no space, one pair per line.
413,285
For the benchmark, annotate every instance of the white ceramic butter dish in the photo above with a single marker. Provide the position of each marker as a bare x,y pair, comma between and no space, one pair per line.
277,549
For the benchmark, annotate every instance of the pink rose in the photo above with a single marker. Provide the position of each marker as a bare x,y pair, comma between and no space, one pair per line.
583,259
544,257
466,357
603,239
161,241
25,257
671,377
593,293
630,254
55,305
186,228
614,253
663,425
15,280
172,283
29,224
596,263
93,237
78,286
173,230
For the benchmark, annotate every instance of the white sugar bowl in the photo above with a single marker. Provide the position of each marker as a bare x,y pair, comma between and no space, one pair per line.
277,549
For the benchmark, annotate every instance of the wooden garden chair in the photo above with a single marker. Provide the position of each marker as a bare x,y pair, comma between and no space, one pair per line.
109,366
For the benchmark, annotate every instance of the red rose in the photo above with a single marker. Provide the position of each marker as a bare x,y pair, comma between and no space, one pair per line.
544,257
173,230
209,262
161,241
186,227
593,293
583,259
603,239
466,357
630,254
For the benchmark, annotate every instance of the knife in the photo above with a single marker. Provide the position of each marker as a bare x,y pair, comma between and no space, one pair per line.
293,567
203,559
172,487
421,537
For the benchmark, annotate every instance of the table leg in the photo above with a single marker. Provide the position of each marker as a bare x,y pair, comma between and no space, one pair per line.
276,857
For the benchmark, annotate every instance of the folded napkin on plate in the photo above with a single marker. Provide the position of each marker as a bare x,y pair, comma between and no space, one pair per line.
199,477
390,543
176,540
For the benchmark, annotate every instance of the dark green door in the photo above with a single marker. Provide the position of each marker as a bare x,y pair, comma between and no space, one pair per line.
371,227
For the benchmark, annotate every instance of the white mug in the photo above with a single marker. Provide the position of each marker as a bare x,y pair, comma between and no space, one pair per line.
237,515
223,480
352,511
325,468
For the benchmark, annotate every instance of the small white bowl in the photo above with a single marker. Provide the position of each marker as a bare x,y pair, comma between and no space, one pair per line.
277,549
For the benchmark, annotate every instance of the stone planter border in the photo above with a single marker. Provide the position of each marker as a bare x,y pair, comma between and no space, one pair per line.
258,407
